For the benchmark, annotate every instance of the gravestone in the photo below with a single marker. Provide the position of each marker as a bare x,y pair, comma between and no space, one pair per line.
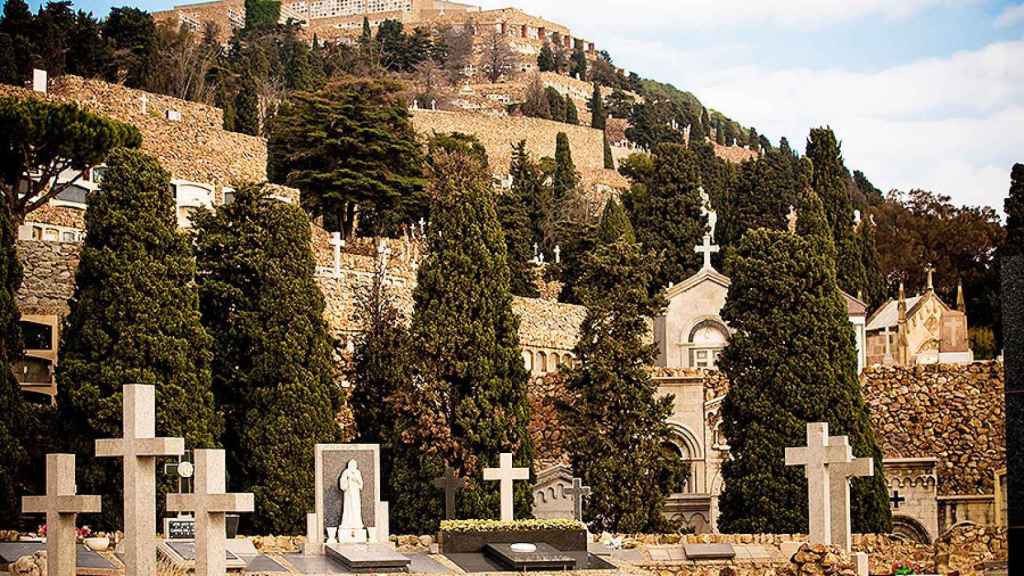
139,450
839,485
505,473
577,492
451,484
330,461
815,458
61,506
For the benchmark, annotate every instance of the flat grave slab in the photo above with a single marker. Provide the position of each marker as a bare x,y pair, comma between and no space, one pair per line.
478,562
368,557
88,561
183,553
262,565
546,557
321,565
709,551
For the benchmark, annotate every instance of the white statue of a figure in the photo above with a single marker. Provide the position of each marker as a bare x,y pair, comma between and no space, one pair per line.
351,484
706,210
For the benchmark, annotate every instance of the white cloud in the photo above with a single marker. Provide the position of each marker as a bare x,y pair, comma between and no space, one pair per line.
1011,16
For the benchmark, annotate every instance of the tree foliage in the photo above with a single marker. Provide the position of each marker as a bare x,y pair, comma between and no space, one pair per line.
17,422
566,179
350,145
272,361
546,58
134,319
468,402
599,118
1014,207
48,139
261,14
790,361
515,212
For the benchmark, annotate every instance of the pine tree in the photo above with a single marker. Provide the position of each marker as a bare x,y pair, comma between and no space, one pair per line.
790,361
565,178
134,319
546,58
599,118
17,422
272,362
470,401
672,188
514,212
831,182
572,115
616,423
1014,207
609,159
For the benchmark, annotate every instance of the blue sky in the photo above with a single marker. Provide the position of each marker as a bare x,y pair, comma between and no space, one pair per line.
923,93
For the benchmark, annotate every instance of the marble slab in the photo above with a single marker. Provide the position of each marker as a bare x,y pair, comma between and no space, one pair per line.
368,557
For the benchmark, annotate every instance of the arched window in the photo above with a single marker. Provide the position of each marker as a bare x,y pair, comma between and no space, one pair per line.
528,360
707,340
542,363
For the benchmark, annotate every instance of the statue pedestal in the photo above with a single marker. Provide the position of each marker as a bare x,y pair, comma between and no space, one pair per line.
352,536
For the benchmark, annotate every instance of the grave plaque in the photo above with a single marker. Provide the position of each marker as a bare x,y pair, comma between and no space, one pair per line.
180,528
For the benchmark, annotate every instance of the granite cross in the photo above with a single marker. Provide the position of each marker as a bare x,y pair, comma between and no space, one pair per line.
506,474
451,484
139,449
707,249
209,503
815,458
60,505
337,244
839,485
577,492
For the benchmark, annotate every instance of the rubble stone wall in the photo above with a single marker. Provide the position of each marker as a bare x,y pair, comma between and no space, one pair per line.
955,413
49,276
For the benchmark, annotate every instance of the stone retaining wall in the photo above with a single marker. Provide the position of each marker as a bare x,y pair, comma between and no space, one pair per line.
49,276
954,413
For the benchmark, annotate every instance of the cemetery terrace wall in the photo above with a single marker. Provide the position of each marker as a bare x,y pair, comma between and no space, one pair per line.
49,276
953,413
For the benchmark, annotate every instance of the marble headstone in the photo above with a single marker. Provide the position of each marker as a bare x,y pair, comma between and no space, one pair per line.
331,460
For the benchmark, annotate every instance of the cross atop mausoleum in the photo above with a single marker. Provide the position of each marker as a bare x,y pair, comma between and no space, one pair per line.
707,249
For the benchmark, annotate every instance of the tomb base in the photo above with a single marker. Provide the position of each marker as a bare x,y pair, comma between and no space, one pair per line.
545,557
368,557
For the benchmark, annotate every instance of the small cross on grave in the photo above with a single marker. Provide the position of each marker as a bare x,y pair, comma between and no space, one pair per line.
839,485
209,503
506,474
815,458
577,492
61,505
931,271
896,500
139,449
707,249
451,484
337,243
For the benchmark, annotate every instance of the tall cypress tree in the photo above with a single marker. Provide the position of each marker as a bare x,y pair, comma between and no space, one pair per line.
831,182
134,319
470,401
615,224
874,281
556,104
1014,207
791,361
572,115
247,107
17,421
515,208
546,58
272,362
565,178
599,118
609,159
666,214
616,423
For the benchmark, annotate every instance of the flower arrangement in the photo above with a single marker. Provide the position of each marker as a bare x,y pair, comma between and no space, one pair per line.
80,533
514,526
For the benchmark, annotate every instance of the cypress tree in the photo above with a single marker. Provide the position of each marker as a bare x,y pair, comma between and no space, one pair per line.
536,103
17,422
615,225
8,61
1014,207
673,188
514,213
705,122
261,14
470,401
609,159
578,65
790,361
565,177
247,107
272,362
599,118
134,319
572,115
556,104
831,182
616,424
874,292
546,58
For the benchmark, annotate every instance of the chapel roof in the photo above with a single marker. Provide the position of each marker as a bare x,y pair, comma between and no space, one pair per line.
888,315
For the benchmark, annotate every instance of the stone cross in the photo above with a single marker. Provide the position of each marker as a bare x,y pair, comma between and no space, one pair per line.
577,492
61,506
209,503
815,458
707,249
337,243
139,449
791,219
558,254
839,485
506,474
930,270
451,484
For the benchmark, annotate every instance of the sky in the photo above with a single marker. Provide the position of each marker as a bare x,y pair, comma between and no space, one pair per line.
922,93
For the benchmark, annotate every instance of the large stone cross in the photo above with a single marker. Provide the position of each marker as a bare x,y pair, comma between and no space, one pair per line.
61,506
815,458
839,484
707,249
209,503
451,484
337,244
506,474
139,449
577,492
